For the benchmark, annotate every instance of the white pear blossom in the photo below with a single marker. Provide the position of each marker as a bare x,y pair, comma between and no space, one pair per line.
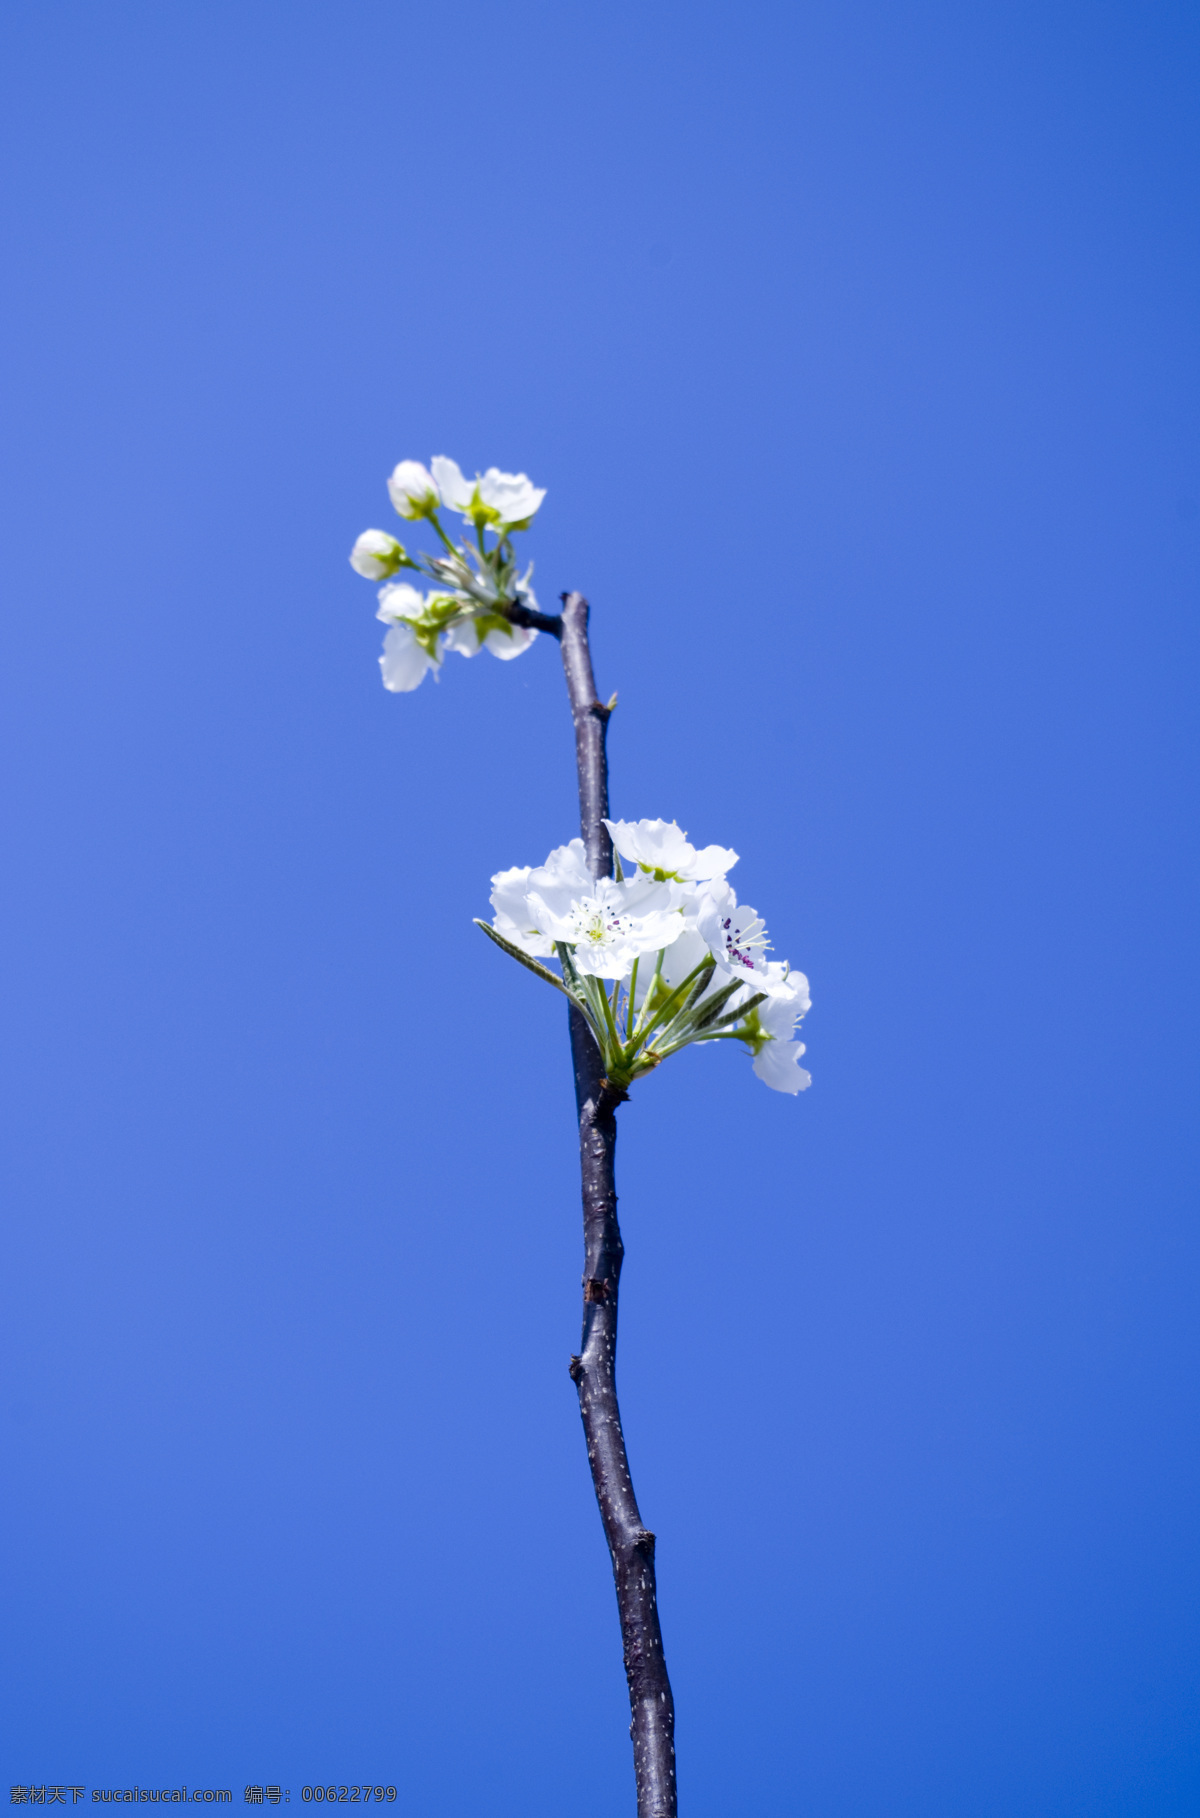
693,965
405,663
608,928
507,499
661,848
565,878
376,555
413,490
737,939
607,924
477,587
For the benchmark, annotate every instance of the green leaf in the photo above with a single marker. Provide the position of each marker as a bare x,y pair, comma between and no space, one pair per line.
527,961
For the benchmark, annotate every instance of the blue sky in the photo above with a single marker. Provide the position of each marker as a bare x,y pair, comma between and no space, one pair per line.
856,347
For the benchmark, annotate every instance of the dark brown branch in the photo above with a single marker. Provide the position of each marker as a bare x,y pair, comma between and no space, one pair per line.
594,1370
516,614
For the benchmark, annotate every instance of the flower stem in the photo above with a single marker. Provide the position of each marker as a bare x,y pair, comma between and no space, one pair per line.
437,525
645,1009
667,1014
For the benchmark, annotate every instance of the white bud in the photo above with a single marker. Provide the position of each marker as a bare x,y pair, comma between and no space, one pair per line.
412,490
376,555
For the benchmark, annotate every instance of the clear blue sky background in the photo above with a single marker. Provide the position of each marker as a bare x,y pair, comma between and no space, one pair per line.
857,347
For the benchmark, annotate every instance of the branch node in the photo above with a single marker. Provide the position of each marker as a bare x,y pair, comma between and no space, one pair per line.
575,1369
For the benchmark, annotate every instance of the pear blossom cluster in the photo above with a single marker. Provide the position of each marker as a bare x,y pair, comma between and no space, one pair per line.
657,957
475,581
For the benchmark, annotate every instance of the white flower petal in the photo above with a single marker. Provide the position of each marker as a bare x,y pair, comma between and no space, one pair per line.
511,643
566,867
455,490
404,663
463,636
399,601
712,862
778,1066
509,891
529,940
788,1001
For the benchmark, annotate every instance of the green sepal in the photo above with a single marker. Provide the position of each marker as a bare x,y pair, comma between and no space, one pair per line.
426,636
441,609
492,621
753,1034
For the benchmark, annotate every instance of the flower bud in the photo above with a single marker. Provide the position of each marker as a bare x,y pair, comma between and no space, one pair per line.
376,555
412,490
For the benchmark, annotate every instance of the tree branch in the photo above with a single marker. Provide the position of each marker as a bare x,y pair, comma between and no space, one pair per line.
516,614
594,1370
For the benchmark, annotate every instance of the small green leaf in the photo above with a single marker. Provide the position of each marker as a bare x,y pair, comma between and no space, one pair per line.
527,961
